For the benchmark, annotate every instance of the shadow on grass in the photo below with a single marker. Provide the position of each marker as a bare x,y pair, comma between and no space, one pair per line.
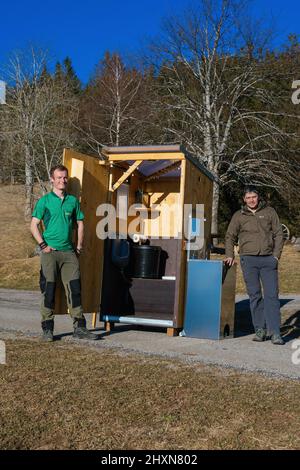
119,328
60,336
290,327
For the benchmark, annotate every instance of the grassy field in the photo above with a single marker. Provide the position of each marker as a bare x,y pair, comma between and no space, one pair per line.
64,396
18,270
69,396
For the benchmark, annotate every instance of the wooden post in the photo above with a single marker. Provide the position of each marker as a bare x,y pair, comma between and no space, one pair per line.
172,332
94,319
108,326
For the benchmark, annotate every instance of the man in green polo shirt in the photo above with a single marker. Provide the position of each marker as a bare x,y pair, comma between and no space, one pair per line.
60,212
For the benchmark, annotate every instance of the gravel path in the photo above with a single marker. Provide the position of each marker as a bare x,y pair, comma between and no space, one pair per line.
19,312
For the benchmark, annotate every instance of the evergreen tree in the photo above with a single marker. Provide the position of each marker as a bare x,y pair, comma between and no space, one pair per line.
45,75
71,76
58,74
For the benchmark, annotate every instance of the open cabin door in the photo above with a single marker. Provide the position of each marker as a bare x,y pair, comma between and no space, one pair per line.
88,181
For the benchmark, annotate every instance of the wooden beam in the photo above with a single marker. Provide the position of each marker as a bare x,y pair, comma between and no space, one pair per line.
146,156
142,149
164,171
126,175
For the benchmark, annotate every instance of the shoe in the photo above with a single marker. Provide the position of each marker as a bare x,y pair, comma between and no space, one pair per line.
277,339
48,327
260,335
81,332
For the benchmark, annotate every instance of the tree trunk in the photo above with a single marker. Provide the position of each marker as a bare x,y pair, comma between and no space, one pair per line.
215,211
28,186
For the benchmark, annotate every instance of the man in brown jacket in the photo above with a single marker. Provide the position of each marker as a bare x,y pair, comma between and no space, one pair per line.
257,229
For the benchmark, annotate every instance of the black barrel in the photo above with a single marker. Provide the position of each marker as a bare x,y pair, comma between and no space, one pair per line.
145,261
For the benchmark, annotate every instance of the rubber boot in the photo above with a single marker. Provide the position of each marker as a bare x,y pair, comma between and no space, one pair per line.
81,332
47,327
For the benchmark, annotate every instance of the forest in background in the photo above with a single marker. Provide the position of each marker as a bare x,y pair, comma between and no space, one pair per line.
211,82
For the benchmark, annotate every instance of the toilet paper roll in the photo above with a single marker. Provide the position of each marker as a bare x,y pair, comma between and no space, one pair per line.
136,237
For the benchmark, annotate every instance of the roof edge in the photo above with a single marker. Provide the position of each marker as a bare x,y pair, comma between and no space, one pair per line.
143,149
160,148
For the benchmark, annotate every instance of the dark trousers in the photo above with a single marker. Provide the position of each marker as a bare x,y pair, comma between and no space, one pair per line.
257,271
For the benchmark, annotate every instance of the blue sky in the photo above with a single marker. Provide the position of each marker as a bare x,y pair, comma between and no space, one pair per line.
85,30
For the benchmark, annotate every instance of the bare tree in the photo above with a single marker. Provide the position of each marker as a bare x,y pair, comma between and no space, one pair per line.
38,119
111,106
217,88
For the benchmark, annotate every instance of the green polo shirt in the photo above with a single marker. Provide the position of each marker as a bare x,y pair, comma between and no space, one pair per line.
58,216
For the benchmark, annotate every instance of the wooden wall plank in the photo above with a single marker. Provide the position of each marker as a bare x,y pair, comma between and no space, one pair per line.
163,194
94,191
181,258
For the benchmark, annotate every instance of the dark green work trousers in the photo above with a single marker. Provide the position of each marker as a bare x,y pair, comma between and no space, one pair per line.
66,264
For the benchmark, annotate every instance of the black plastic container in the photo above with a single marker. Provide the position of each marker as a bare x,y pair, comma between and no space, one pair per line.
145,261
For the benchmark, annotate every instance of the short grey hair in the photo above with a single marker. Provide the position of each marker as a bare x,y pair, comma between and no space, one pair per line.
250,189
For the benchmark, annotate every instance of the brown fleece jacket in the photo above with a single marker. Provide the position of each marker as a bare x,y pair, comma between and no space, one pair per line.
258,233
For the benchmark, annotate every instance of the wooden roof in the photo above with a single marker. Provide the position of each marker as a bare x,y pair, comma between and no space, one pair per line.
154,152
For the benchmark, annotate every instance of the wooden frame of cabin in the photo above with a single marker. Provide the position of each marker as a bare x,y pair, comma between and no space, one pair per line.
161,175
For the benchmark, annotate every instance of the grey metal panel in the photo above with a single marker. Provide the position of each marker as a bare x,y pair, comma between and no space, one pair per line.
148,167
203,299
171,174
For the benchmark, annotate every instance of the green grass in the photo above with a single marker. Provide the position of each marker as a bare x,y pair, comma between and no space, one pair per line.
64,396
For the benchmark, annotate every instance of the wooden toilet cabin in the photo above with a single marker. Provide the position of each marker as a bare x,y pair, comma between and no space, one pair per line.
156,183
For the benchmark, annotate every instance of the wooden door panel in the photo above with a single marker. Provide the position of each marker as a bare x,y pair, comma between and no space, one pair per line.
88,181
